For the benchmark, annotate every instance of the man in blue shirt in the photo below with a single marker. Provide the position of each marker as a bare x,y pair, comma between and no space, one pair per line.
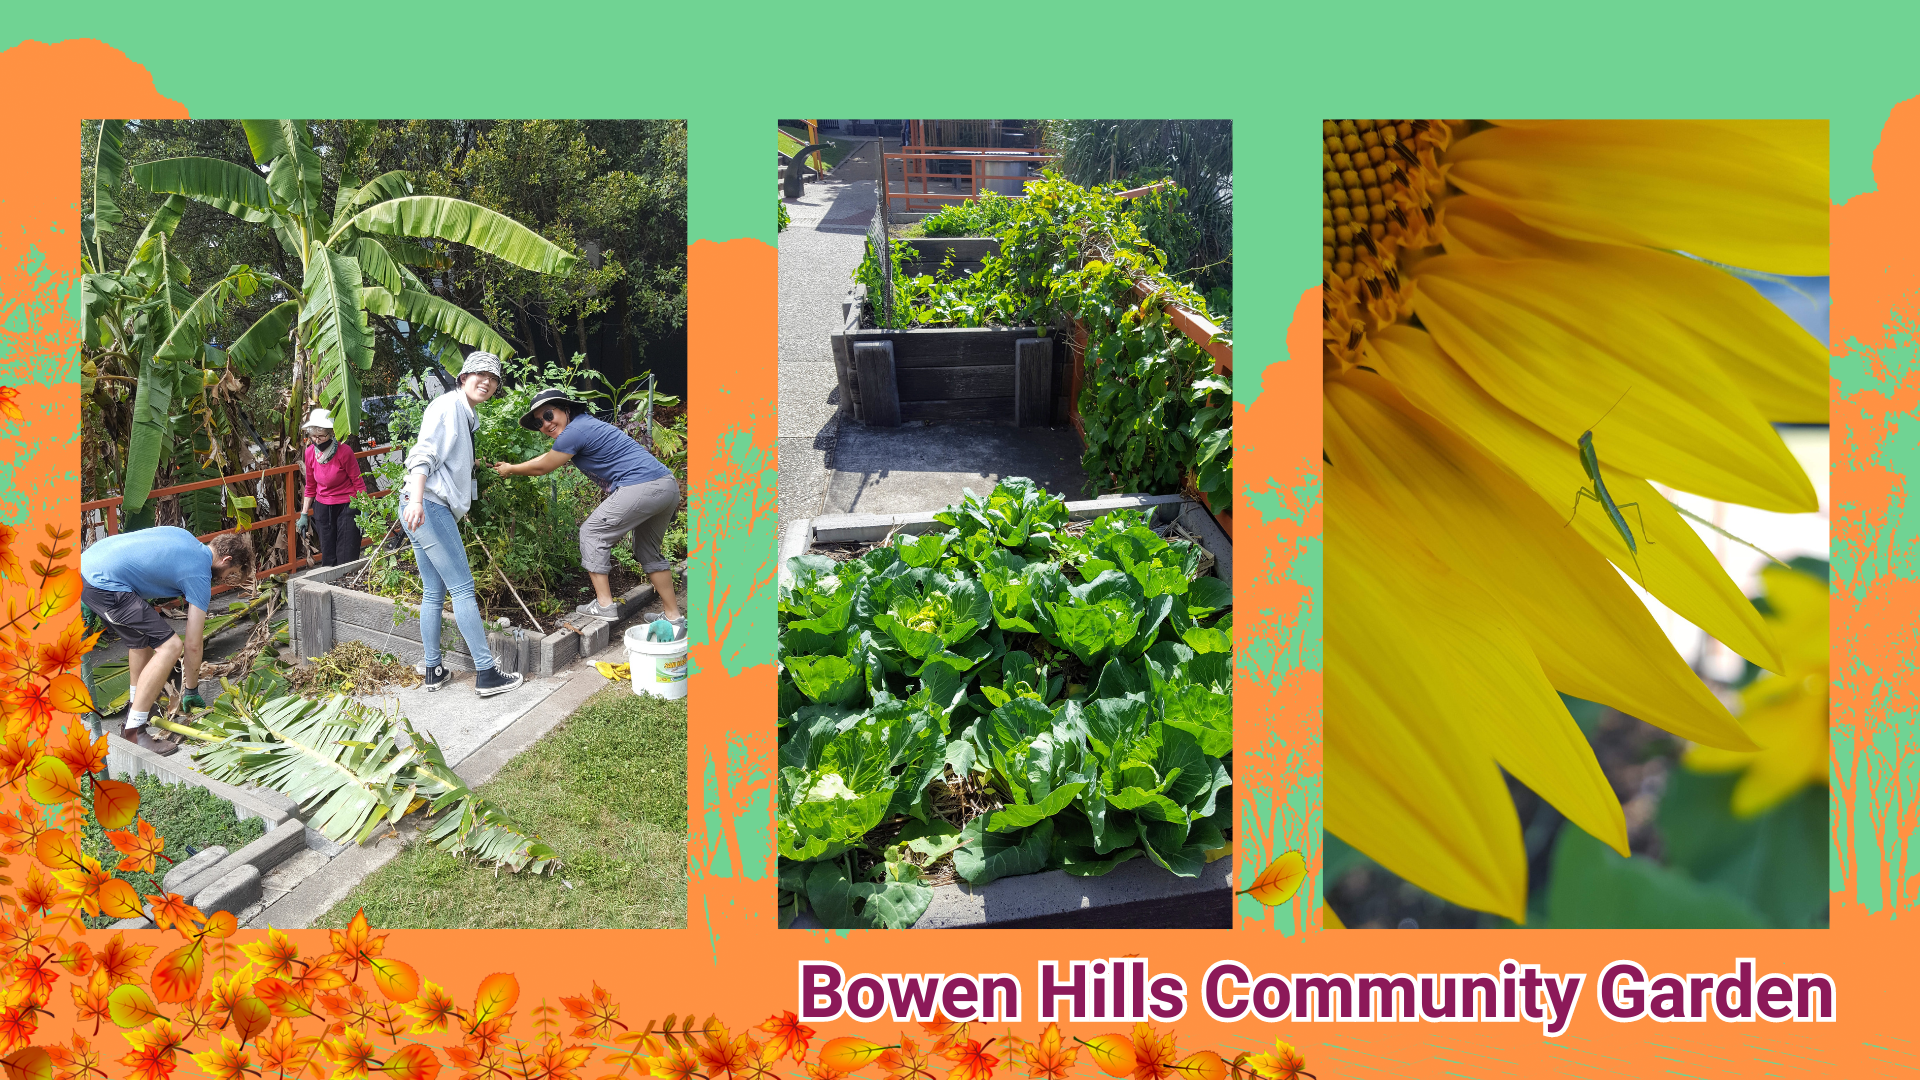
641,497
121,575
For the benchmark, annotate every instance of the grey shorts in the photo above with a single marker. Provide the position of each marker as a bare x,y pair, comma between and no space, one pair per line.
645,510
134,621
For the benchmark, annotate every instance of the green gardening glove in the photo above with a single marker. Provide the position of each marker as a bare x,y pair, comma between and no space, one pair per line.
300,524
191,701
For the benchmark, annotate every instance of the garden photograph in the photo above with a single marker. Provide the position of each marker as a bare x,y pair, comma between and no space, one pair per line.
382,541
1576,455
1006,570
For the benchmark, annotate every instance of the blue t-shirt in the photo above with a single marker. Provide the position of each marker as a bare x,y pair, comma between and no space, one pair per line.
153,564
607,455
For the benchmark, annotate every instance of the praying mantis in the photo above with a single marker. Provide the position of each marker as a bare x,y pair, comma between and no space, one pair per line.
1590,464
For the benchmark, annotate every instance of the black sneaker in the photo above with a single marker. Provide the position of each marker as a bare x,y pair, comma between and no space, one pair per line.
436,677
490,682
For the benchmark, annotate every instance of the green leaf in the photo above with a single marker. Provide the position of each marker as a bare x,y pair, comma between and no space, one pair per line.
160,225
1776,861
1593,887
827,680
335,328
205,178
108,163
985,856
262,346
293,169
1021,815
464,223
426,309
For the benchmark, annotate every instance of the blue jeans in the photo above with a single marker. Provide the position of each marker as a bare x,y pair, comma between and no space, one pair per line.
443,569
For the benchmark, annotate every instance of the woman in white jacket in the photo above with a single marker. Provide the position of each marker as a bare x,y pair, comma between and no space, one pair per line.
438,492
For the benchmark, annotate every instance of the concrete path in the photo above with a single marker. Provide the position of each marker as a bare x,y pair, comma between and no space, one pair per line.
930,466
818,254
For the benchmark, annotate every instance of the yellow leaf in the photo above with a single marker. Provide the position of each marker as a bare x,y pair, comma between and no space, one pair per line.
1280,880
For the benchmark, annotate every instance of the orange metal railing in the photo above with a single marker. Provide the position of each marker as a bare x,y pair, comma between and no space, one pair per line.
109,509
913,168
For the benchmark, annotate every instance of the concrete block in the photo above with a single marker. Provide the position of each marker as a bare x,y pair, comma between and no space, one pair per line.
125,760
132,924
1136,894
236,891
557,650
271,850
595,637
192,867
636,598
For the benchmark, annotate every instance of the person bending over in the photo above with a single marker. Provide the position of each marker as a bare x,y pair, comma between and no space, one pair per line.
122,575
639,496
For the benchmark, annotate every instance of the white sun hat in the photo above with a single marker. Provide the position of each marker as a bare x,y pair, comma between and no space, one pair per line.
319,418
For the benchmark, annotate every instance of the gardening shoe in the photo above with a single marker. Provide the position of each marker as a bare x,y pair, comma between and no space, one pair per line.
435,677
490,682
139,737
592,610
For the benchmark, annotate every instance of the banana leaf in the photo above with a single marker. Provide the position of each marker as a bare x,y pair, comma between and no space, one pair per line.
205,178
355,768
466,223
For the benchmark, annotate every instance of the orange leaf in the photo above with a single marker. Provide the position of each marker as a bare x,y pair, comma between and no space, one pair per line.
227,1062
597,1017
82,752
280,997
130,1006
972,1062
56,849
1205,1065
122,960
51,782
412,1062
790,1036
395,979
847,1053
173,910
250,1017
30,1063
177,975
1112,1054
496,996
430,1011
61,593
1285,1063
220,924
74,642
118,900
1049,1058
68,692
142,847
115,803
1279,881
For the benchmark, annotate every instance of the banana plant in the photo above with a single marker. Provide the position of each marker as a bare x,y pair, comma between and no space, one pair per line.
356,259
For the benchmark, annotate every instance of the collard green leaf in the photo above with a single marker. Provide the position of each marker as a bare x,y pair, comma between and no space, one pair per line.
985,856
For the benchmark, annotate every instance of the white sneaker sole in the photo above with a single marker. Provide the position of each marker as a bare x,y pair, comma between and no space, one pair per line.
512,684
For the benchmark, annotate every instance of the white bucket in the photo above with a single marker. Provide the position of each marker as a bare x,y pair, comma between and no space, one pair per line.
658,668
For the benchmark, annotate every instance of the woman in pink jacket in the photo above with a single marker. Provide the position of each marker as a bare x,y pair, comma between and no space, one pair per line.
333,478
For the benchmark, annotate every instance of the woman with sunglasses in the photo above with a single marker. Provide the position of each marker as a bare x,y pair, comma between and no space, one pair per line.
640,497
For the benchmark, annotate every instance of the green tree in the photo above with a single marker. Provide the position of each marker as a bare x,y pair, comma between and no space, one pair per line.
353,261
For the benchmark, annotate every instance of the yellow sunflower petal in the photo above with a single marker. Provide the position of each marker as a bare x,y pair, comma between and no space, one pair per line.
1794,732
1593,637
1407,673
1780,367
1533,334
1750,193
1677,567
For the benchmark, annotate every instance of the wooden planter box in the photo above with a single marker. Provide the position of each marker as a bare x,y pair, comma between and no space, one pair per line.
1137,893
323,614
1014,375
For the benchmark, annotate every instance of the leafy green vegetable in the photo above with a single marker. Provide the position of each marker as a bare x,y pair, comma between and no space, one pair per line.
1072,681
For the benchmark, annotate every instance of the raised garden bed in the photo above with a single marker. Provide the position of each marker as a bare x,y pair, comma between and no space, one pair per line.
1134,894
1012,375
324,613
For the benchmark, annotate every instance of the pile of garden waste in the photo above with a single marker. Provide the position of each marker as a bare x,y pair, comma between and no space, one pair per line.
1013,694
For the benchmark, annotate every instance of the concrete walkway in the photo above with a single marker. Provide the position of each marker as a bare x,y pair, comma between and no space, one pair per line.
818,253
828,468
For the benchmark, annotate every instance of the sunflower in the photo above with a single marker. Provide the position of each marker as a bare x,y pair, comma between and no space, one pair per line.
1493,291
1785,713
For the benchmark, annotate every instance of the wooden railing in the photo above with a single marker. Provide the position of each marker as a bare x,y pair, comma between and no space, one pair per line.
109,509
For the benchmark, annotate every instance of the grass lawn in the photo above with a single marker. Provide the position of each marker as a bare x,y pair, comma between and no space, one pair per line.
185,816
607,789
836,151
